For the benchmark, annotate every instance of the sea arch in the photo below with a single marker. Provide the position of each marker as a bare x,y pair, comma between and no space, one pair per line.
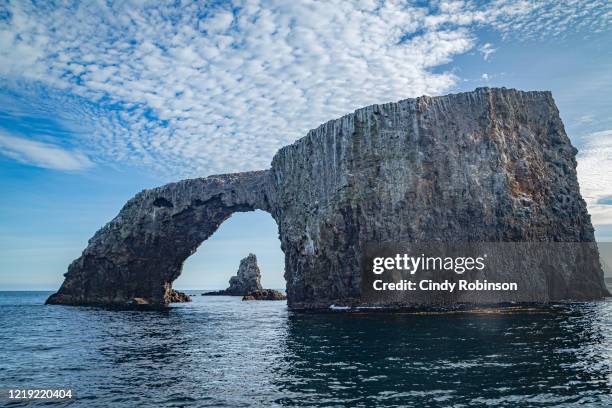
137,255
492,165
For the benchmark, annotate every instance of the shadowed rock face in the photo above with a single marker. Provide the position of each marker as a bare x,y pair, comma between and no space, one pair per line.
141,252
489,165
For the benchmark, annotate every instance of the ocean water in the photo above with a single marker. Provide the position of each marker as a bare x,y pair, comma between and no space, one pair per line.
220,351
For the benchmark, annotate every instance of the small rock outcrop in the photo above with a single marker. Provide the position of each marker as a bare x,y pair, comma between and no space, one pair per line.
246,280
492,165
178,297
265,294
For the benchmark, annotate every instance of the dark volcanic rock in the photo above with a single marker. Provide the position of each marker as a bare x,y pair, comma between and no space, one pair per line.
246,280
488,165
141,251
215,293
178,297
265,294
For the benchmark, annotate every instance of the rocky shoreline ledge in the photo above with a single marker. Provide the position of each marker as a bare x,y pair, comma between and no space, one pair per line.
179,297
265,294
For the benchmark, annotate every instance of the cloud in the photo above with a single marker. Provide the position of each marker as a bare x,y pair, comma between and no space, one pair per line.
549,18
594,169
192,89
486,50
42,154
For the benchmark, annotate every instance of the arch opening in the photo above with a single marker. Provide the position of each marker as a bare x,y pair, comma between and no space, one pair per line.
217,259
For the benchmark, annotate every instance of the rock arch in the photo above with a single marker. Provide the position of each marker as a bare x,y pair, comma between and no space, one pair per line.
137,256
492,165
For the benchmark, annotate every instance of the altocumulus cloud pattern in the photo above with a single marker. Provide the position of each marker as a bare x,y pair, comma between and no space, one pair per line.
190,89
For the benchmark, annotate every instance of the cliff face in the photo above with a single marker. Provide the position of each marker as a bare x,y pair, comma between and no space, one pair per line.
489,165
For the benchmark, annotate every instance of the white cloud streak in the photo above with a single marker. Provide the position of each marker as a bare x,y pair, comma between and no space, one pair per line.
41,154
197,89
486,50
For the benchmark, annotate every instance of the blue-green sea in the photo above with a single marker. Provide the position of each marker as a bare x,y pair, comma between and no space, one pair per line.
220,351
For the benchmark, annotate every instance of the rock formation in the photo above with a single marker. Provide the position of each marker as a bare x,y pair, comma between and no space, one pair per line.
247,283
178,297
141,251
488,165
248,277
246,280
264,294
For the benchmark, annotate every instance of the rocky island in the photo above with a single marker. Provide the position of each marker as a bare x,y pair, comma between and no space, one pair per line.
246,280
247,283
492,165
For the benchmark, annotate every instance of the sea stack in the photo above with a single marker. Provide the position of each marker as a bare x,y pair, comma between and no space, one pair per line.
492,165
247,283
246,280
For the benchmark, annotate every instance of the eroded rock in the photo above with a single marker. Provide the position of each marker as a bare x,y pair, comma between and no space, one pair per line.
141,251
488,165
264,294
246,280
178,297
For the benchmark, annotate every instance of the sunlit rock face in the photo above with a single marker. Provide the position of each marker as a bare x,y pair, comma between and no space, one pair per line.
488,165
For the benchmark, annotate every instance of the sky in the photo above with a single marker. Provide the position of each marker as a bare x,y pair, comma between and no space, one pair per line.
100,100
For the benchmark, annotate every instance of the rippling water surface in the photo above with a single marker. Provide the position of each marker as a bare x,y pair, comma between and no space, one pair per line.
219,351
